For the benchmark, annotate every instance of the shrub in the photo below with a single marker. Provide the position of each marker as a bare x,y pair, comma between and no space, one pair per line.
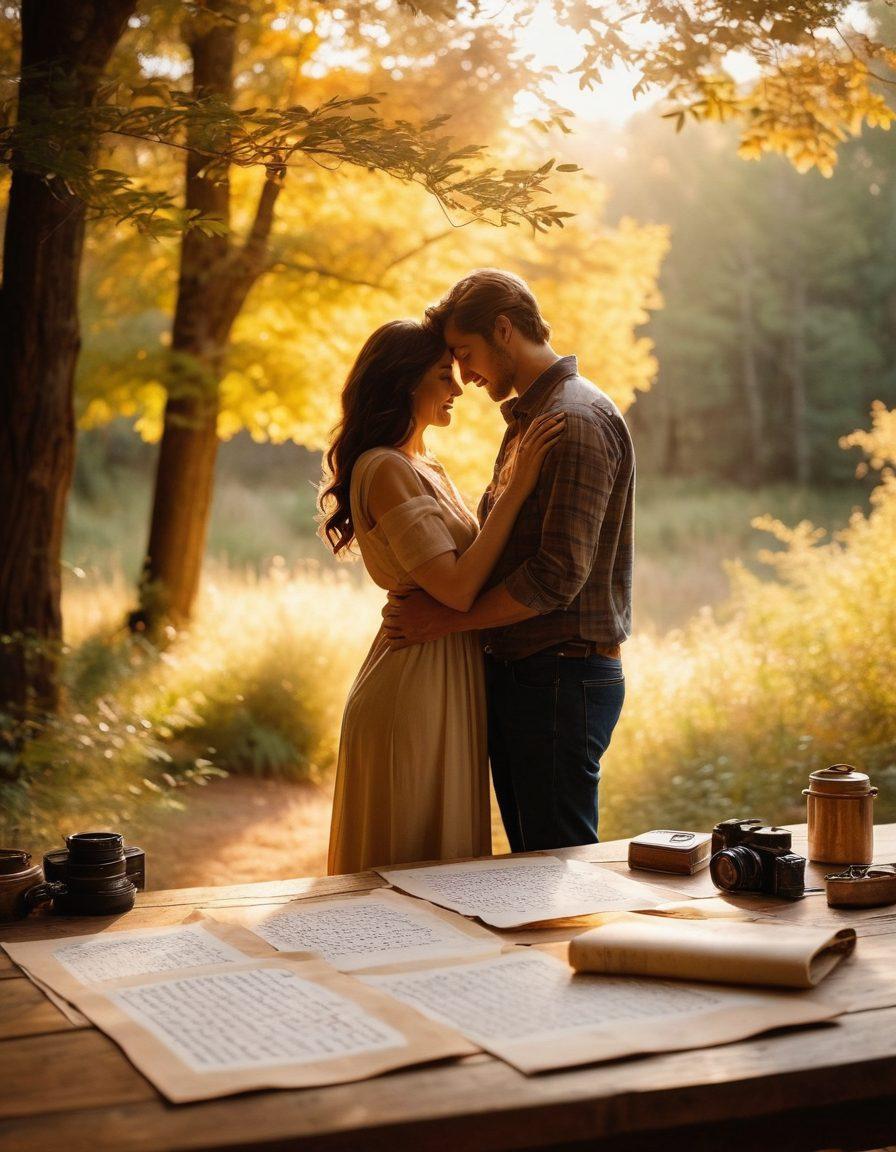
729,716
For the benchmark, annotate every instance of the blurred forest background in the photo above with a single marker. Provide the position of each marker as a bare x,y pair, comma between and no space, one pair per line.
742,313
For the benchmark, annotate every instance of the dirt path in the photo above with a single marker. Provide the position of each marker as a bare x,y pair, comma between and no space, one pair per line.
239,830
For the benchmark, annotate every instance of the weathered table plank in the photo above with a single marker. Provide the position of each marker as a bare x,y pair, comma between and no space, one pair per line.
64,1071
26,1011
486,1104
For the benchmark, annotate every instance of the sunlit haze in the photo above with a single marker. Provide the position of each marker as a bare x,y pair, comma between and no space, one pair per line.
552,45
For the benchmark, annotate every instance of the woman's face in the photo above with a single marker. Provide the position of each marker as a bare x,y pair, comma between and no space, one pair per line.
435,394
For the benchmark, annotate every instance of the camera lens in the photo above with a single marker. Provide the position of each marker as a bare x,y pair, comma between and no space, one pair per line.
94,847
115,897
89,883
56,865
736,869
78,870
94,879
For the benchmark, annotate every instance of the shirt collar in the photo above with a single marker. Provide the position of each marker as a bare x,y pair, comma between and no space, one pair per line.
539,389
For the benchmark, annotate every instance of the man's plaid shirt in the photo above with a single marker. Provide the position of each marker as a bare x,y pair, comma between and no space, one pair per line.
571,550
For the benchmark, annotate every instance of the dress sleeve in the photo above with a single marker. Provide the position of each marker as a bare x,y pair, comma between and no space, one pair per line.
415,529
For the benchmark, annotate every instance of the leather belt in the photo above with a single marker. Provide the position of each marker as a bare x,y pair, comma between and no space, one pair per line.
580,649
575,649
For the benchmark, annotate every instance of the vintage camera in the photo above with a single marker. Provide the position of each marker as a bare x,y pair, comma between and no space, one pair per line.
91,880
749,856
56,865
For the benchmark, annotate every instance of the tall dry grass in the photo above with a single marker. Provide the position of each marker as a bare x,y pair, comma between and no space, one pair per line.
255,686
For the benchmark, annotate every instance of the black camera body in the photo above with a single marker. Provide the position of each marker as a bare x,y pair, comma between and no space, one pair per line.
750,856
56,865
90,878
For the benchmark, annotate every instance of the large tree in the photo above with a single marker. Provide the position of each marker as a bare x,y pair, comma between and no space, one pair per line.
65,48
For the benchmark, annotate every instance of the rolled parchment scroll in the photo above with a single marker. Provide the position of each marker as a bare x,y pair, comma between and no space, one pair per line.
729,952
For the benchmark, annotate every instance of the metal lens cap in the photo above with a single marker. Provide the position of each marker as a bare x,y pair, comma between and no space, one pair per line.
12,861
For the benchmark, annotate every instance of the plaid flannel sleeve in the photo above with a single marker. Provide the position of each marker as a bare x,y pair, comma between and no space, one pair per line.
578,477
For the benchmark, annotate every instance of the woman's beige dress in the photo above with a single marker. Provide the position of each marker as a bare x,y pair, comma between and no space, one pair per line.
412,778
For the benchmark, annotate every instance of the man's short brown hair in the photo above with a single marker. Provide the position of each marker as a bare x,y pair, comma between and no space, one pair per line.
475,303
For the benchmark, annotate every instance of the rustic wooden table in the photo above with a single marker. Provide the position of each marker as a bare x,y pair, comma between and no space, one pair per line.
832,1086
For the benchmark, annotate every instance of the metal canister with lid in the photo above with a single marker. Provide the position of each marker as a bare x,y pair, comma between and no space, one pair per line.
17,878
840,815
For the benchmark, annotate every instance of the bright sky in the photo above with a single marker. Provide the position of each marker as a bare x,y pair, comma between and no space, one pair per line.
551,44
612,100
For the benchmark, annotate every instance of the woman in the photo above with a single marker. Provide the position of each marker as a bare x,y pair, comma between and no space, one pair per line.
412,776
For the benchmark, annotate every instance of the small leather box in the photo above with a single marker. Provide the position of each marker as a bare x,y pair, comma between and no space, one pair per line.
862,886
665,850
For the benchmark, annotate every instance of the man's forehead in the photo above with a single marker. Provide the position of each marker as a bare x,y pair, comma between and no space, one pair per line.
454,338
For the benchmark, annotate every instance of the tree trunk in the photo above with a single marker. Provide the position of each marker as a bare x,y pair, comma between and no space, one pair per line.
792,219
186,462
215,278
749,374
39,343
796,371
671,440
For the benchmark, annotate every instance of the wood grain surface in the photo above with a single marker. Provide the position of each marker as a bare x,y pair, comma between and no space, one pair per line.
831,1086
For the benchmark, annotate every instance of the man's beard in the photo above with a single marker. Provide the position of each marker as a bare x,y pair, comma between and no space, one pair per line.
502,386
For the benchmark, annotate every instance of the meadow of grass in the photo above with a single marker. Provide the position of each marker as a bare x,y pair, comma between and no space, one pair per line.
689,531
755,685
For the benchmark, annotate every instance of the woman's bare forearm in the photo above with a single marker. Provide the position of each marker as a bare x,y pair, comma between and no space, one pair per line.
474,567
456,581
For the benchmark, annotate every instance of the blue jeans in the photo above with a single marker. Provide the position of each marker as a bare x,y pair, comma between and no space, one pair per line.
550,719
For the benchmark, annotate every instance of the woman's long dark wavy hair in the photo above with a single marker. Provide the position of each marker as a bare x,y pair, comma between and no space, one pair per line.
377,411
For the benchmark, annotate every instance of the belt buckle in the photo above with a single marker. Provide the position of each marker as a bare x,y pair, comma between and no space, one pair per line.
576,649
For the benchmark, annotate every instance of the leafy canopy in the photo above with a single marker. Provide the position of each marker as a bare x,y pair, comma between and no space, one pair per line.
814,77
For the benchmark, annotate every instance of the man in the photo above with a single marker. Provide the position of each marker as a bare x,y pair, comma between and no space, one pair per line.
558,604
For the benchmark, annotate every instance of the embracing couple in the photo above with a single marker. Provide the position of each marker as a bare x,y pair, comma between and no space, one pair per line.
501,638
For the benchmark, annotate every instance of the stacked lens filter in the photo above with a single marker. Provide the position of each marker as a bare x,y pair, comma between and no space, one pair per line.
93,879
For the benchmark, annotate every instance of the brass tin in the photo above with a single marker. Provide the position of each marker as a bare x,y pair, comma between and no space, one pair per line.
840,816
